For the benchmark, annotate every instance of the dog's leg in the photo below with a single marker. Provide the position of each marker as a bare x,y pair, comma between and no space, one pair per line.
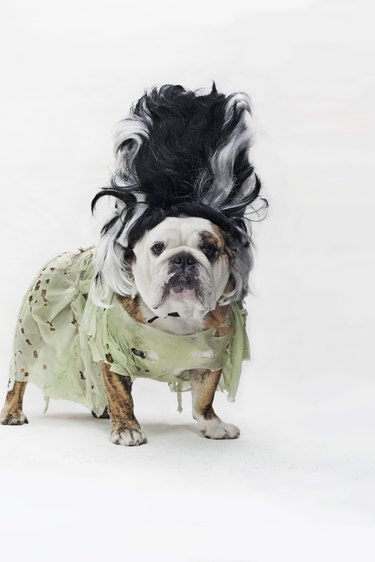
12,413
203,387
125,427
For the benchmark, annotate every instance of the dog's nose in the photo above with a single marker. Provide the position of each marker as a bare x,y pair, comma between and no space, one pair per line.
183,260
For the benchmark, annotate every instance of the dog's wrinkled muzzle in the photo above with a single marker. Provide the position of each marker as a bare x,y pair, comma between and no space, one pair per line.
183,281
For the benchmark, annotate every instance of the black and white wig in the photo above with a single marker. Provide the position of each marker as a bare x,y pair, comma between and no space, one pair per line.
179,153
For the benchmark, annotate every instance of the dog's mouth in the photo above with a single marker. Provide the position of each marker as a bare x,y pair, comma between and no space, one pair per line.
186,292
182,286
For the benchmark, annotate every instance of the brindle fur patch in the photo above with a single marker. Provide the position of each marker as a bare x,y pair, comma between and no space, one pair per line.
203,387
133,307
219,320
226,243
120,401
12,413
221,240
215,239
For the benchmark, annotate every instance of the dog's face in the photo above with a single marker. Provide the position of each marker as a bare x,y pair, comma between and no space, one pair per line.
180,156
182,265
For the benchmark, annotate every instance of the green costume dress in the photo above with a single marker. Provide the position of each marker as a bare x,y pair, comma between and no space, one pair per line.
62,336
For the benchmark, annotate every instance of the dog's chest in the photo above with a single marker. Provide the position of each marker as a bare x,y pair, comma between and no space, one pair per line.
172,324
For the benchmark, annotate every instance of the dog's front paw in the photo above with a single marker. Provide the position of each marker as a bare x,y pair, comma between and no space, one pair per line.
128,437
217,429
13,418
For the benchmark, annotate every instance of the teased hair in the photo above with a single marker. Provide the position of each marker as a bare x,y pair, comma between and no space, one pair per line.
180,153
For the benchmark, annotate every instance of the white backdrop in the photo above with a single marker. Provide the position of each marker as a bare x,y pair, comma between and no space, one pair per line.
299,484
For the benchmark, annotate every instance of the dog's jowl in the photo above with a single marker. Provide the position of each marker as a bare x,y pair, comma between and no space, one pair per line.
161,295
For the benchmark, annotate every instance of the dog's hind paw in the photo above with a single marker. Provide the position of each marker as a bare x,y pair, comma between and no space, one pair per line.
13,418
128,437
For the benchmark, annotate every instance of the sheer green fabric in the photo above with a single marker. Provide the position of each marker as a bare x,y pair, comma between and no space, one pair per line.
62,336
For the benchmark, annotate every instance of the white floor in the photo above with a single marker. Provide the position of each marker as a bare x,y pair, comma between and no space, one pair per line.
298,485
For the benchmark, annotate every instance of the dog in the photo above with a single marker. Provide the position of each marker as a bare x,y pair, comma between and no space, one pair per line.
161,294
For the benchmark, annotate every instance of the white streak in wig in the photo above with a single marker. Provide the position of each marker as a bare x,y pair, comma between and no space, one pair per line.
240,100
131,128
239,269
114,275
222,161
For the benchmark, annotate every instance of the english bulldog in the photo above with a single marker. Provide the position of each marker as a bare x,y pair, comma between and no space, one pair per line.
160,296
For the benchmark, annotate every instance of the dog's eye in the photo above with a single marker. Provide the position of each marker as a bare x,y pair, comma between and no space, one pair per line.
209,250
158,248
